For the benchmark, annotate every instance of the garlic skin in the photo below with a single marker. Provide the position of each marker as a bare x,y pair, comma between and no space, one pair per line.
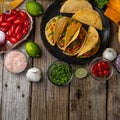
33,74
110,54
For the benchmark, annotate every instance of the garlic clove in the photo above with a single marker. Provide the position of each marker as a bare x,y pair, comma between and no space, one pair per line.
33,74
110,54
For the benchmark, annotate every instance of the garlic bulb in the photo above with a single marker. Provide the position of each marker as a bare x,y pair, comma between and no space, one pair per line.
110,54
33,74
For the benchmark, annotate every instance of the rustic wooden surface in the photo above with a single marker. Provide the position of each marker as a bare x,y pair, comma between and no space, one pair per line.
85,99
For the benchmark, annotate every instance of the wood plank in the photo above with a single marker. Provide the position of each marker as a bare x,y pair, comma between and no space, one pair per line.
16,92
87,99
1,80
48,101
114,84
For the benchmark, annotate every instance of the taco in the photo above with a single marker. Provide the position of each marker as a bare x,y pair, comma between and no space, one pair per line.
50,29
71,6
69,30
60,25
90,45
89,17
75,44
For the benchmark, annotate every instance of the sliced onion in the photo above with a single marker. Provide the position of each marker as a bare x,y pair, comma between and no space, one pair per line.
118,63
2,37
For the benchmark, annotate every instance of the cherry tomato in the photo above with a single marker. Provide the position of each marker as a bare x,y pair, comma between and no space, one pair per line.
23,14
100,74
11,19
8,15
9,32
13,27
19,36
4,29
15,12
105,64
13,40
94,69
18,21
6,24
26,23
7,37
25,30
18,29
2,18
106,72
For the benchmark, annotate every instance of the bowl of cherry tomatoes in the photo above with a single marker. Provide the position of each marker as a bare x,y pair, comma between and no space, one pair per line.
101,69
16,26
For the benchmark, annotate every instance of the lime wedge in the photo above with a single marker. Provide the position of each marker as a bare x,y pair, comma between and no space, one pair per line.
80,73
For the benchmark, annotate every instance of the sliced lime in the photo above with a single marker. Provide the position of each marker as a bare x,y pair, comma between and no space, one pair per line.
80,73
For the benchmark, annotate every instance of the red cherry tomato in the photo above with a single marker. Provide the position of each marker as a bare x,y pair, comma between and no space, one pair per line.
19,36
25,30
15,12
4,29
18,21
2,18
13,27
26,23
100,74
106,72
13,40
105,64
23,14
6,24
11,19
94,69
18,29
9,32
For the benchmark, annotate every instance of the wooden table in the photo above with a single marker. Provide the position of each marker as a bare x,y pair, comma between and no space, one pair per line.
85,99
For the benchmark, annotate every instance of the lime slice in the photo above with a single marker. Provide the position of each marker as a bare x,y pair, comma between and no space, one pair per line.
80,73
33,49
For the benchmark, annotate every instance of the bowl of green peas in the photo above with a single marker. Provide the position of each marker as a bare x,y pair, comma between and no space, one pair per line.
60,73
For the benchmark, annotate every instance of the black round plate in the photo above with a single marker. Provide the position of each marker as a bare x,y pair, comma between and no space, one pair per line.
54,10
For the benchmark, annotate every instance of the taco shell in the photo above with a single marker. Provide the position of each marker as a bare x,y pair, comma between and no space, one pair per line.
72,28
59,28
91,41
50,29
71,6
75,44
69,30
89,17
